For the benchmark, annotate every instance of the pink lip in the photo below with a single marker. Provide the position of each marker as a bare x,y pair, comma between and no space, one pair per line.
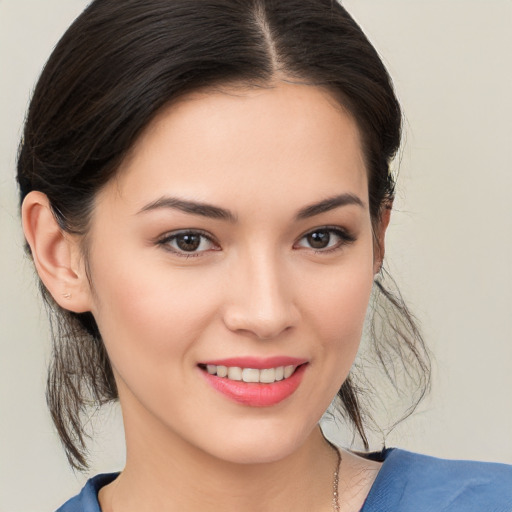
255,394
258,363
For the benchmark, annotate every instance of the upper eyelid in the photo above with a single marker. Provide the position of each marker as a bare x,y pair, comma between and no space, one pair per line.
336,229
171,234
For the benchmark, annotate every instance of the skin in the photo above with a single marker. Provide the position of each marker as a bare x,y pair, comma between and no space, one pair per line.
257,288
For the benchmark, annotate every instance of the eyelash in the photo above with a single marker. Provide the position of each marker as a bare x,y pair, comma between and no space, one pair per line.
345,239
167,239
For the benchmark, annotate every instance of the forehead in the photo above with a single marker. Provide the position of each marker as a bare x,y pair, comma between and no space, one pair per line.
239,144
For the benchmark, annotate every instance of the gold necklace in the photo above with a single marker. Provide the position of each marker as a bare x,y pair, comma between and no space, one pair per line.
336,478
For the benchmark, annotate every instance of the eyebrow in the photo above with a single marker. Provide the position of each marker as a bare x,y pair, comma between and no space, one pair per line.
215,212
329,204
194,207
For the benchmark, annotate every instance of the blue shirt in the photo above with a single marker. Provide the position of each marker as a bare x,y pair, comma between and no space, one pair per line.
407,482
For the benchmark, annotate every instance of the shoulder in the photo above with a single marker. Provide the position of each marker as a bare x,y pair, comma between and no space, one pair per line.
87,500
410,481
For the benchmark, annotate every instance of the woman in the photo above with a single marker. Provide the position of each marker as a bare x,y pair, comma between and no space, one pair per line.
205,193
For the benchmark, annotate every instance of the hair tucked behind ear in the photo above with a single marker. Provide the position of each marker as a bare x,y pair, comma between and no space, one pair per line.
114,70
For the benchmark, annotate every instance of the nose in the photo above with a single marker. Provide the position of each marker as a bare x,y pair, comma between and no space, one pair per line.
260,299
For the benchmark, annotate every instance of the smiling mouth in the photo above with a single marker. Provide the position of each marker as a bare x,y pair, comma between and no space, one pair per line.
251,375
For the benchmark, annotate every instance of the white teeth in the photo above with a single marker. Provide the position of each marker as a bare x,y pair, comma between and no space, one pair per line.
266,375
234,373
288,370
222,371
250,375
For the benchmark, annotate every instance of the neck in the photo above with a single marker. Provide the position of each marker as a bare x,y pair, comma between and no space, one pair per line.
167,474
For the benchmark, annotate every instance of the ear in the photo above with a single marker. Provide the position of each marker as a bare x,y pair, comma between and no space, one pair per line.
56,255
380,235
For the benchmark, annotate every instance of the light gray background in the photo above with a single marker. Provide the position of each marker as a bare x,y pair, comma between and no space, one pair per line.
449,245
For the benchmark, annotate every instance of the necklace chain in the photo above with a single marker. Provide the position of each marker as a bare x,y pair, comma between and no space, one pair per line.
335,478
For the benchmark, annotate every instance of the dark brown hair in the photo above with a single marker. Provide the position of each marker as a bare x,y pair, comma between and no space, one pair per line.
116,67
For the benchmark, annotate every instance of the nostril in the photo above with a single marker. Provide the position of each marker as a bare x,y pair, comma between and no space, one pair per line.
258,326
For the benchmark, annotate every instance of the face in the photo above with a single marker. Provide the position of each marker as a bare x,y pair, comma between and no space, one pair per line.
236,239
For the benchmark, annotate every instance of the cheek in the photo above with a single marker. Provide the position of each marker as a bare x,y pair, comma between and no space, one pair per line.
337,306
343,313
340,331
340,299
146,312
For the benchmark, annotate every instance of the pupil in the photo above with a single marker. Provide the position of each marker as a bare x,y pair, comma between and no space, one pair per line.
188,242
319,239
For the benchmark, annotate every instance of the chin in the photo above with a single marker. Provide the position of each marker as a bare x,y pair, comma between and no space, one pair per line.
261,444
236,454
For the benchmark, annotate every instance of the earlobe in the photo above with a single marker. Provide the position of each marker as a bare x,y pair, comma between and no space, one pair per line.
380,236
56,254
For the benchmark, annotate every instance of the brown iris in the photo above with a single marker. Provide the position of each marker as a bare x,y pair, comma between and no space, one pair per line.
319,239
188,242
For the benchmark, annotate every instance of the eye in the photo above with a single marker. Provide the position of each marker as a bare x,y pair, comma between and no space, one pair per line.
188,243
325,239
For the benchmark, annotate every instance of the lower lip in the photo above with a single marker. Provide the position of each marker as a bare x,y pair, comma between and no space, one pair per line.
254,394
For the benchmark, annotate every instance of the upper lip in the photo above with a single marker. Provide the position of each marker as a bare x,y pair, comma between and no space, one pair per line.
258,363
